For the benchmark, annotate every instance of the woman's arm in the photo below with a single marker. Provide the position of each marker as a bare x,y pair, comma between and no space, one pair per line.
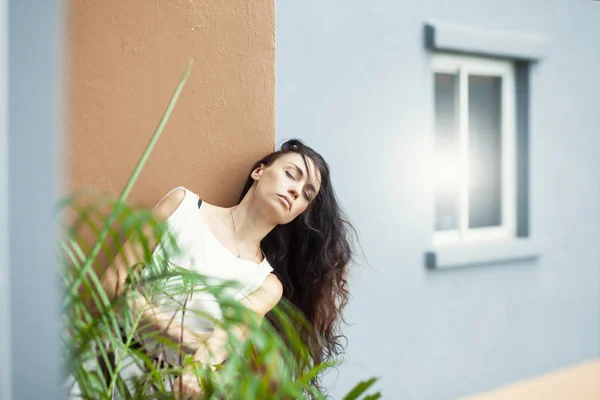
113,280
261,301
154,321
114,283
214,352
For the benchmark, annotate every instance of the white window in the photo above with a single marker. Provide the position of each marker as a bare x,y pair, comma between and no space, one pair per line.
475,147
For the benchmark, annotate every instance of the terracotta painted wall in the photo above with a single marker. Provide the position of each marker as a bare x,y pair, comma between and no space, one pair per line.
125,59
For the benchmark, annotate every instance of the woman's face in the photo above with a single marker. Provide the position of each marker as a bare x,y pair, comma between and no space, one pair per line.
284,186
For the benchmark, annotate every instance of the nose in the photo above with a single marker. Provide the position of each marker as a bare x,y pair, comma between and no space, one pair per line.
293,193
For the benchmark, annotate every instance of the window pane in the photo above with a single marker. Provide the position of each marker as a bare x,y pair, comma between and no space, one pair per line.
485,186
446,153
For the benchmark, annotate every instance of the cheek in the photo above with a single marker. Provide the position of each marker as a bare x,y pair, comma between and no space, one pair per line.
278,178
301,209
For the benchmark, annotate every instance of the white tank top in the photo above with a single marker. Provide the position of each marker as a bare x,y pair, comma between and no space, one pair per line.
201,252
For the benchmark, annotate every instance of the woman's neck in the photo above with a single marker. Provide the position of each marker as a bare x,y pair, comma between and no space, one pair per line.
249,223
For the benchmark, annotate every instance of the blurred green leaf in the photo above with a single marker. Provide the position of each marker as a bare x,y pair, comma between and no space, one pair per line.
360,389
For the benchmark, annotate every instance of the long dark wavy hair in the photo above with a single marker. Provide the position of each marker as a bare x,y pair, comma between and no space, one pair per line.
311,256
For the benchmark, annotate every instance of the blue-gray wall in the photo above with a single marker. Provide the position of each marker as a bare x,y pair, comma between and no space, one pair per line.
354,81
5,378
31,102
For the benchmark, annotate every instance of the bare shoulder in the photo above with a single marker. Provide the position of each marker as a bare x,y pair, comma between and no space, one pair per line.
272,287
168,204
263,299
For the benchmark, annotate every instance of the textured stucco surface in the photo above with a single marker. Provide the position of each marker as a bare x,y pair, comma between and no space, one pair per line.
355,82
125,59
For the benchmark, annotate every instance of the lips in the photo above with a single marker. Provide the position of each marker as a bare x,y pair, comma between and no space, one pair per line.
287,200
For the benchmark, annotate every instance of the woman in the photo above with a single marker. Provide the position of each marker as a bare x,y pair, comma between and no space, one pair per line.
286,238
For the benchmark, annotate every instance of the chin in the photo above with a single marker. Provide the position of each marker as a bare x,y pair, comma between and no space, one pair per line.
281,206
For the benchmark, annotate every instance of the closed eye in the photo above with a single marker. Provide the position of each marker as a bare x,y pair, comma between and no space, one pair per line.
292,177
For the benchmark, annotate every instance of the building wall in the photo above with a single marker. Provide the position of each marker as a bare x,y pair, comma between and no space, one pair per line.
125,59
354,82
5,377
31,91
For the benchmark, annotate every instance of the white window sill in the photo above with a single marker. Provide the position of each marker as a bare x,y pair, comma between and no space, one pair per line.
482,253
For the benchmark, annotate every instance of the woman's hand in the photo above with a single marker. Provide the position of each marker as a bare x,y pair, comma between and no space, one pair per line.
187,386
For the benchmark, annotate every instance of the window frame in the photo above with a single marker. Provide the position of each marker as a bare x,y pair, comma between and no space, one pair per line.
463,66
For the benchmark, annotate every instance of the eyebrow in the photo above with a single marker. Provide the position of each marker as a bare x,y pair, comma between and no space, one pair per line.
301,173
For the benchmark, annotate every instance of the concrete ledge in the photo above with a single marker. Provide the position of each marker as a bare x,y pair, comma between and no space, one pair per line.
481,253
579,382
473,40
